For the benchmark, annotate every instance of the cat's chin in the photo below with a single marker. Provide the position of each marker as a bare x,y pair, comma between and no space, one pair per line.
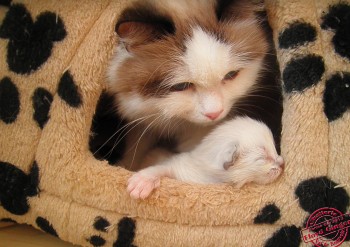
206,123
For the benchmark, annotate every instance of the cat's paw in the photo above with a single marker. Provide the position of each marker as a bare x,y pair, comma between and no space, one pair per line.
141,185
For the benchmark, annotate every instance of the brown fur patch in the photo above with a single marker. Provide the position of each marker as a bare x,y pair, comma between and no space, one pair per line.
145,73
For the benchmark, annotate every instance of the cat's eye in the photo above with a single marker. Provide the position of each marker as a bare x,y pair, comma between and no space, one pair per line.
181,86
231,75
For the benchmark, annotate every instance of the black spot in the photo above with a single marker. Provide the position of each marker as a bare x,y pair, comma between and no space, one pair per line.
68,91
287,236
30,43
9,101
45,225
5,2
97,241
16,186
33,180
319,192
302,73
42,100
126,233
338,19
106,140
336,97
269,214
336,16
297,34
101,224
8,220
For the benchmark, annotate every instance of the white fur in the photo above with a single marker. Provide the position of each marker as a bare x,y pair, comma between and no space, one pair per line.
246,143
121,54
207,59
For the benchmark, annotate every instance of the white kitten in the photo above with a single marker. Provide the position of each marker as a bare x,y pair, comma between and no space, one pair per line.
239,151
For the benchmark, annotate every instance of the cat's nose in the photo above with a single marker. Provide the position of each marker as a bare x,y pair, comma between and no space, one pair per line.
214,115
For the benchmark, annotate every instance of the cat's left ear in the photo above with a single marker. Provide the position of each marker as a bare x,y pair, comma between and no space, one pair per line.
141,24
234,156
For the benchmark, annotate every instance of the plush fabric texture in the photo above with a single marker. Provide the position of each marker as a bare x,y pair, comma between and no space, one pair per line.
50,84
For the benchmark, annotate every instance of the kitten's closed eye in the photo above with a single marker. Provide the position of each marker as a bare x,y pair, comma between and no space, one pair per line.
181,86
231,75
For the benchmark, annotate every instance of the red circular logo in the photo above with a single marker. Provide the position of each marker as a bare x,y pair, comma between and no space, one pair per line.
326,227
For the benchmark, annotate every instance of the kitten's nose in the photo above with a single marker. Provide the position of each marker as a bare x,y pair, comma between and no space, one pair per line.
214,115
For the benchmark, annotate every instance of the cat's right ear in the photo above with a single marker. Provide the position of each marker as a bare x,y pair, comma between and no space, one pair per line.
142,24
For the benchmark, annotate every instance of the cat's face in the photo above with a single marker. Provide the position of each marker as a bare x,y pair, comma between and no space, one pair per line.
185,63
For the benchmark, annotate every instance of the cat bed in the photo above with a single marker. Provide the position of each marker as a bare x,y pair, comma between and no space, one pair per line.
53,58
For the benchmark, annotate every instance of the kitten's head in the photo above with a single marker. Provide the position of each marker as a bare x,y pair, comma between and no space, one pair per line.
252,155
188,60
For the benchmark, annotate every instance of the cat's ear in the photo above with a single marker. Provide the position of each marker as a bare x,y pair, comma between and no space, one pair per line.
234,10
233,159
142,24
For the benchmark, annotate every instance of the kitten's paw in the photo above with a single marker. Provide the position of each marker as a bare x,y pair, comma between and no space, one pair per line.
141,185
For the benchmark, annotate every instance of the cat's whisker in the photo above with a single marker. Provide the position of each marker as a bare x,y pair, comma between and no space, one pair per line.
243,106
232,115
239,109
268,98
141,120
254,53
165,122
171,125
137,122
266,86
176,126
263,88
115,133
236,110
138,141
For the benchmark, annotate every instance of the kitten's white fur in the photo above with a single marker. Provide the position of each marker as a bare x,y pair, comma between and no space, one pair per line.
238,151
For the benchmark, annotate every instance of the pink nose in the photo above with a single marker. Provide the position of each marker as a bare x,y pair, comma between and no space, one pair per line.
213,115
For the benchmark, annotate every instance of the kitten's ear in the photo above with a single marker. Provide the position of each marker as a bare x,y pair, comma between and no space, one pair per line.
142,24
233,10
235,155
